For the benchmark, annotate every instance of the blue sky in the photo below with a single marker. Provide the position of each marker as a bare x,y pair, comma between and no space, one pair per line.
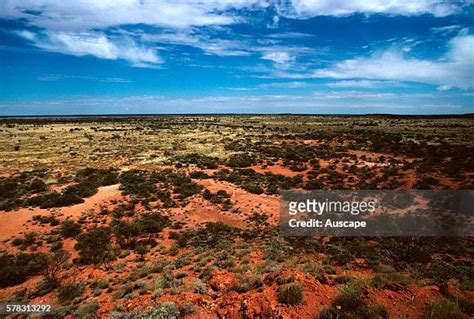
241,56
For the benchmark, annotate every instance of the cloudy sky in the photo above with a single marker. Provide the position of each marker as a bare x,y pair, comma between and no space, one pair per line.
240,56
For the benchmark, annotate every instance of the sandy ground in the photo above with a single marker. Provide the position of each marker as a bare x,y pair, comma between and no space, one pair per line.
14,223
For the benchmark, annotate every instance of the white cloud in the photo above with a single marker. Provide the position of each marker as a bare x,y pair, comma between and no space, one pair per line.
285,85
363,84
58,77
95,44
456,69
446,30
83,15
278,57
308,8
211,46
274,23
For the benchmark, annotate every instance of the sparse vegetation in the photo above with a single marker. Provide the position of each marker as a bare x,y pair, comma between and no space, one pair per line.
189,212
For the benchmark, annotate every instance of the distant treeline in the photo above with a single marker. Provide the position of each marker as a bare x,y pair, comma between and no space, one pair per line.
47,119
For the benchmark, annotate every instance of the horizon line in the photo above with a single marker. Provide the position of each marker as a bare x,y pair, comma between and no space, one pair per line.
468,115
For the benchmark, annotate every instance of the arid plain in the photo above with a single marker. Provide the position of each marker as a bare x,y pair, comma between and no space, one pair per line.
175,216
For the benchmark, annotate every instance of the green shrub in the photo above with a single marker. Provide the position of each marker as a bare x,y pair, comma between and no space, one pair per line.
253,188
166,310
248,282
37,185
88,310
199,175
54,200
67,292
82,190
290,294
15,269
241,160
69,228
442,309
350,298
94,246
199,287
97,177
389,281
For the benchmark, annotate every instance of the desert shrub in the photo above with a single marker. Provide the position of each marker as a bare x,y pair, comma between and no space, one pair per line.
327,313
37,185
206,273
15,269
349,304
199,175
44,286
69,228
403,251
313,183
187,189
166,310
152,223
290,294
173,235
258,222
277,249
29,238
82,190
350,297
54,200
240,160
94,246
248,282
17,241
213,233
166,280
88,310
442,309
53,264
339,255
125,233
297,167
123,291
137,183
253,188
440,271
312,268
254,182
391,281
201,161
221,197
97,177
52,220
199,287
306,244
9,204
9,187
466,304
67,292
141,250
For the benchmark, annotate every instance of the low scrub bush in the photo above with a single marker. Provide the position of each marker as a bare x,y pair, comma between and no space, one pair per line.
15,269
443,309
290,294
70,228
67,292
